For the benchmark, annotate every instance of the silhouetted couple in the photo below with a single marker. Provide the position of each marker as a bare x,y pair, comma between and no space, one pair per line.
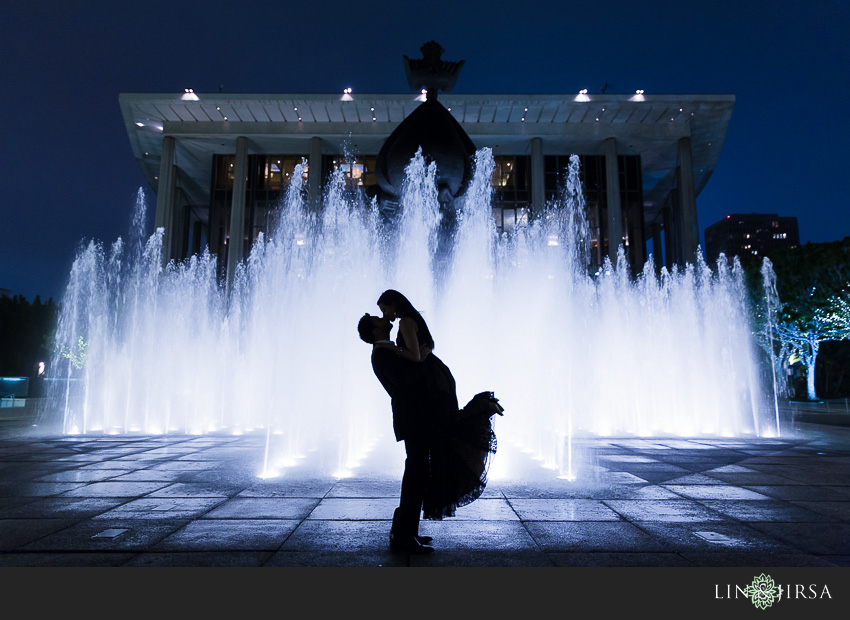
447,449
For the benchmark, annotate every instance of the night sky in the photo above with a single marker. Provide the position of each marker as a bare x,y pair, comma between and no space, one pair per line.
68,172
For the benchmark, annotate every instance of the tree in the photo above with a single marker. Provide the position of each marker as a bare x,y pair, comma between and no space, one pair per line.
811,302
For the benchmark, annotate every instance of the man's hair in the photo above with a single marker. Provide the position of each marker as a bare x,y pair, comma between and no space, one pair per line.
366,328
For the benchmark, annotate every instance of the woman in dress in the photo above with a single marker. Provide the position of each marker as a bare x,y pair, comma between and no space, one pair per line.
458,442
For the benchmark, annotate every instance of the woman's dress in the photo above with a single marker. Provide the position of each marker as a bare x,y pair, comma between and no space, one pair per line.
462,440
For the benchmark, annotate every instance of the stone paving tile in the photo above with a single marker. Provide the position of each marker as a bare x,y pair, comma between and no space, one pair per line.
61,508
17,533
753,479
114,489
67,560
184,465
585,536
490,536
162,508
37,489
149,475
10,503
290,488
563,510
196,489
223,559
696,478
120,465
765,510
699,491
264,508
339,536
139,535
814,538
739,538
632,559
835,510
620,477
485,509
803,493
79,475
355,509
667,511
229,535
724,559
366,488
557,489
651,491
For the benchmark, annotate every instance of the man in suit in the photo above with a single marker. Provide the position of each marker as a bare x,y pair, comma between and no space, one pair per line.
397,377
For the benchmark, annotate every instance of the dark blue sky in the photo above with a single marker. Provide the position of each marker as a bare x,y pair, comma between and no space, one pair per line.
68,172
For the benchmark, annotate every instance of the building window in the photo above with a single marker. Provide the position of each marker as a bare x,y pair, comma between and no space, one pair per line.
359,171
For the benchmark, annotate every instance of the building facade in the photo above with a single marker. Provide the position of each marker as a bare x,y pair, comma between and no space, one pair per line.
750,235
220,163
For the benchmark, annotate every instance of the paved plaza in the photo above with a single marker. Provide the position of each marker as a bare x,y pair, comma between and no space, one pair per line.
198,501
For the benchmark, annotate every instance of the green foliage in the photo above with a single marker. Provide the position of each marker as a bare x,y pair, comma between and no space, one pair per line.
77,356
813,306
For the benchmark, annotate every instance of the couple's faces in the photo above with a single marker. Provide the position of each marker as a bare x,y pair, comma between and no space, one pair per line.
381,326
388,311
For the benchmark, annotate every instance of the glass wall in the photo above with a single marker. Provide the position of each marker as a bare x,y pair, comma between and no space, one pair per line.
511,191
594,183
268,179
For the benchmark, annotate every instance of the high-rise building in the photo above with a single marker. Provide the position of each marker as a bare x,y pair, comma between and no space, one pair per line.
750,235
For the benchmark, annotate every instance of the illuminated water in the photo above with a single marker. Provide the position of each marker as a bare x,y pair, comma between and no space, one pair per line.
570,355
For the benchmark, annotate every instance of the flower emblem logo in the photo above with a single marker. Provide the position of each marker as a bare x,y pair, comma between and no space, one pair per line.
763,592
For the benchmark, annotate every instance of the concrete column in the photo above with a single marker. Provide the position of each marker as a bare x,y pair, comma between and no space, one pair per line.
670,238
656,246
314,176
237,210
688,202
538,185
164,217
615,208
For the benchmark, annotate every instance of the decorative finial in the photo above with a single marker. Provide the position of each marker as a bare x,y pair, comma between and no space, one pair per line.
430,72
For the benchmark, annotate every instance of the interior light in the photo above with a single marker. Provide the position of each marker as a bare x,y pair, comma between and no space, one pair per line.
138,124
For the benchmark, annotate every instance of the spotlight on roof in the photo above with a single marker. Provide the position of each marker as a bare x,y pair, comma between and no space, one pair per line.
346,95
189,95
638,96
582,95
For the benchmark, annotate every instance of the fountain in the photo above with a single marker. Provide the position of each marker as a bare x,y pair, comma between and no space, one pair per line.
144,349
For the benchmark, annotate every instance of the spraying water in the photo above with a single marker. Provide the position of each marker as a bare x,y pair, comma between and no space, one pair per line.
144,349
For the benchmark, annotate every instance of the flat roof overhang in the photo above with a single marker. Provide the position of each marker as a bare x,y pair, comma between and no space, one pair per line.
645,125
